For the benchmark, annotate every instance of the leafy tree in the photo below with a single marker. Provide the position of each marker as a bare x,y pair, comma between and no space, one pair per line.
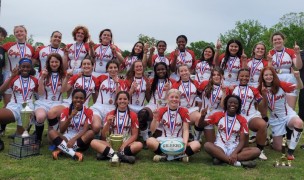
146,39
198,46
10,38
30,39
248,32
125,53
37,44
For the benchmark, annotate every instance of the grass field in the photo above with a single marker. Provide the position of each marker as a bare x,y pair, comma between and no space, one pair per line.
199,167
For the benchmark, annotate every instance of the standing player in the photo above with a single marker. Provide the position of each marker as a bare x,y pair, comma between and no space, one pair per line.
175,124
136,54
75,134
122,121
181,56
229,146
283,119
160,56
283,61
204,65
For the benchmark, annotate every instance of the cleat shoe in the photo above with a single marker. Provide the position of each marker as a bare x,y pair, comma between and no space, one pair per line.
248,164
290,157
78,156
56,153
262,156
185,159
252,139
216,161
158,158
237,164
125,158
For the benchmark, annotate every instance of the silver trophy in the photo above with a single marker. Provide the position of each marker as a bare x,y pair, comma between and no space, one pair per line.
26,115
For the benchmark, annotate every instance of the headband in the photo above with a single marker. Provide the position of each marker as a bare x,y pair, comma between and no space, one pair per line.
24,61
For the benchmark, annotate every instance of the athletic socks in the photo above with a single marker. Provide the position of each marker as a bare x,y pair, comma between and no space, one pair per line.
197,133
39,130
189,151
61,144
108,152
53,123
295,138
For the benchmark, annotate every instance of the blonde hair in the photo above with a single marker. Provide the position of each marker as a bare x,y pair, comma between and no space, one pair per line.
21,26
171,91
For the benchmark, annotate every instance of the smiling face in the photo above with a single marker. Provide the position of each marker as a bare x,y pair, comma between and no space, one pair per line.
112,70
20,33
161,48
25,69
138,48
184,73
268,77
87,67
80,35
232,106
78,100
56,39
259,51
207,53
278,42
122,101
54,64
138,68
173,100
161,71
233,49
181,43
216,77
244,77
106,38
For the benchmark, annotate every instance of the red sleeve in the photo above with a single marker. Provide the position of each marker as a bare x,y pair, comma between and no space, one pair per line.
203,85
221,57
8,45
96,46
196,62
265,62
86,46
122,85
36,83
128,84
12,81
244,127
73,79
31,48
184,113
176,85
37,51
134,120
287,87
101,78
291,53
153,58
89,115
97,84
193,58
161,112
229,91
196,84
258,97
215,118
108,114
65,114
171,57
272,52
172,81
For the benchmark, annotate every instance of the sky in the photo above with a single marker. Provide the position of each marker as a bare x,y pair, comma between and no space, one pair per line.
161,19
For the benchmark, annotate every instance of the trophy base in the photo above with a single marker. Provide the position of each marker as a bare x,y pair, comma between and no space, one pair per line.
286,164
23,147
114,161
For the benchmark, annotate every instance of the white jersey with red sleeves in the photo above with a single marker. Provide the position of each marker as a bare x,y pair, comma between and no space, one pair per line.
89,83
77,52
16,51
78,121
172,121
249,95
139,95
214,100
42,53
124,122
103,54
158,97
232,68
255,66
203,71
229,128
160,58
282,60
188,91
187,57
129,60
277,102
52,88
23,89
107,90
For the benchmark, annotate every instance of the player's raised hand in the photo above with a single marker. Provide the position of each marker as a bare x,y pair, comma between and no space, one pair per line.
296,48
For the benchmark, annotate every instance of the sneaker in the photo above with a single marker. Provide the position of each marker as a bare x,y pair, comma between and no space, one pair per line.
216,161
262,156
290,157
252,139
125,158
1,145
78,156
237,164
56,153
248,164
158,158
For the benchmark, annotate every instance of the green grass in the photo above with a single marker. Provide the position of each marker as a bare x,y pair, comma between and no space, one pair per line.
199,167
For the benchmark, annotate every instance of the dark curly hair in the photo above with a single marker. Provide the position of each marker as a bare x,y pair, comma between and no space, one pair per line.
238,111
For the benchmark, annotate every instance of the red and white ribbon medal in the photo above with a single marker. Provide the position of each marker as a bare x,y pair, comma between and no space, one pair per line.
172,117
243,95
120,121
22,49
279,58
139,90
25,84
229,126
203,67
231,62
214,96
86,82
182,56
103,51
187,90
77,50
53,50
271,100
160,88
78,118
54,78
253,69
161,58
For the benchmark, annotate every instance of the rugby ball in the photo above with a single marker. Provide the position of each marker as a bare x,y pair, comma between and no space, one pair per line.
172,147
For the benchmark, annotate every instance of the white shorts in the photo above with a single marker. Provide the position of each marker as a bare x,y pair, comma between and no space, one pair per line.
227,148
161,139
192,109
16,110
101,110
254,115
135,108
67,102
46,104
291,79
278,125
6,75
